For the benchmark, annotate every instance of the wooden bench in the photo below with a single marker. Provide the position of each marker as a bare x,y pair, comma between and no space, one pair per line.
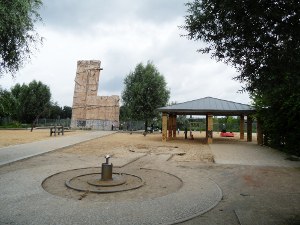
57,130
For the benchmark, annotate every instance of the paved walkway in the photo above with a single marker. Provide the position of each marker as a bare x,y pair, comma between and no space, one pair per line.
14,153
248,191
246,153
24,201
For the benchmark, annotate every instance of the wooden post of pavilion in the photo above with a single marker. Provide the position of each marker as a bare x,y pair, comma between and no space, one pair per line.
242,121
259,133
174,126
170,124
249,128
164,128
209,129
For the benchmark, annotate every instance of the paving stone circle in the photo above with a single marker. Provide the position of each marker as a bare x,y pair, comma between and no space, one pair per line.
75,183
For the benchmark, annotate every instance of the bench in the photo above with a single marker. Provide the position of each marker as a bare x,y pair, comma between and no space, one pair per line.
57,130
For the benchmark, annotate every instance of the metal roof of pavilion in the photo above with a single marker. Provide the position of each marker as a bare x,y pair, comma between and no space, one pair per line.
209,105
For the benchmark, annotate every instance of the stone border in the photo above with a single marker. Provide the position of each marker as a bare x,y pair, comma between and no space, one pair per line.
120,189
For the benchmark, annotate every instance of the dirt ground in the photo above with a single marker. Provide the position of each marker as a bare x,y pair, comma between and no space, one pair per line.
121,144
15,137
124,144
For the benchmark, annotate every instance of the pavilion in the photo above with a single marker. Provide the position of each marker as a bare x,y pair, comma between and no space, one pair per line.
209,107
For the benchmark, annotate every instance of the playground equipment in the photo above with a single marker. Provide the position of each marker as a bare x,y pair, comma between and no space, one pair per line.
224,133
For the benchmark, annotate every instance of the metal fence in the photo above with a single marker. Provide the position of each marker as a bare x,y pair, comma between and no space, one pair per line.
132,125
44,122
5,121
230,127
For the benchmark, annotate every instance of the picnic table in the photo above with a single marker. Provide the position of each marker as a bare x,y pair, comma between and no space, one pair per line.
57,130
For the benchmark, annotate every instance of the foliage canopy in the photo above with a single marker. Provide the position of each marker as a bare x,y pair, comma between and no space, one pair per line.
145,91
31,100
254,36
17,33
261,39
24,103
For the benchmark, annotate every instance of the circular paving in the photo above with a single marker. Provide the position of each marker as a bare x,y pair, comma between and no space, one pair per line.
162,199
138,184
117,179
92,183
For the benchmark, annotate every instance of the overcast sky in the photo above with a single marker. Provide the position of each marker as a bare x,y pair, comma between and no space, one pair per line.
121,34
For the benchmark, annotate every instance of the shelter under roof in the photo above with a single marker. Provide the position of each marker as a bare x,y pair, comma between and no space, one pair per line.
209,105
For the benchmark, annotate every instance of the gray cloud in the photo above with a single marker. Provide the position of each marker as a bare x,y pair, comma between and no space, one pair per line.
122,33
80,15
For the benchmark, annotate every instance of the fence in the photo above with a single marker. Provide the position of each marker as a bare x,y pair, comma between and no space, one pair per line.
132,125
52,122
230,127
95,124
44,122
5,121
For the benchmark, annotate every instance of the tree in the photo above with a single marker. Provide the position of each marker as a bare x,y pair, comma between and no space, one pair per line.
7,104
124,113
66,112
261,39
32,101
17,33
145,91
55,111
182,122
250,35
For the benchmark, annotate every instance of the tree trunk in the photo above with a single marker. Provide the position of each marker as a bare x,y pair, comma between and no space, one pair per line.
34,122
36,119
146,126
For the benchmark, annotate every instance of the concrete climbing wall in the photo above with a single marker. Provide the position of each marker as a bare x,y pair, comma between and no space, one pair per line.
90,110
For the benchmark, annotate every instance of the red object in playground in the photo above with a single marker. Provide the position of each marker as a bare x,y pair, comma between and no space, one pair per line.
227,134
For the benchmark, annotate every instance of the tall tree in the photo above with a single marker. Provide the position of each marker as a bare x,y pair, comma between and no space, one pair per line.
250,35
32,100
67,112
17,33
262,40
145,91
55,111
7,104
124,113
